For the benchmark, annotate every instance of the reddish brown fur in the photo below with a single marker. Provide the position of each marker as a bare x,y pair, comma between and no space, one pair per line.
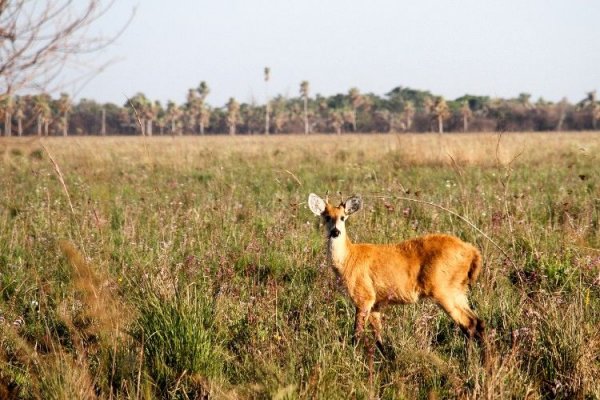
437,266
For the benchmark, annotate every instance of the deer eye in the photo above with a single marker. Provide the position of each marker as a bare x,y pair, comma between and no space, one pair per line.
343,218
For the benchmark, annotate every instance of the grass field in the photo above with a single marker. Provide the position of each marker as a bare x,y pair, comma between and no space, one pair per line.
191,267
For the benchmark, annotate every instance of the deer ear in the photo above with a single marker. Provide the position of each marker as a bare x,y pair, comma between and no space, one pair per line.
316,204
352,205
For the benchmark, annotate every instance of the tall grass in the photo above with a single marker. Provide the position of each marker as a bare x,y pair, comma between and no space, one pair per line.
191,267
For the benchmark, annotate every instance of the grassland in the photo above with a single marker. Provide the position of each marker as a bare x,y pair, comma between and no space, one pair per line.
191,267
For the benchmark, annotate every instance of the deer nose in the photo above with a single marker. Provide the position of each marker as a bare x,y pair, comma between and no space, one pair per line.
335,232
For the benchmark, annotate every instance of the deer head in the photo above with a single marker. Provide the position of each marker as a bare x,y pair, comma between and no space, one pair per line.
334,217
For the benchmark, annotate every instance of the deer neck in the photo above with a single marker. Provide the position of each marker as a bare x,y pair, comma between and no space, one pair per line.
338,250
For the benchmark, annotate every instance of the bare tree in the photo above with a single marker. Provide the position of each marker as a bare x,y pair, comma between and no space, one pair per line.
38,38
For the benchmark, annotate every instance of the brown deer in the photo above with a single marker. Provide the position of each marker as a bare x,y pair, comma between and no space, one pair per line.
436,266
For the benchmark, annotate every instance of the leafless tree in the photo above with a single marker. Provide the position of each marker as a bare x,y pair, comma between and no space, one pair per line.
38,38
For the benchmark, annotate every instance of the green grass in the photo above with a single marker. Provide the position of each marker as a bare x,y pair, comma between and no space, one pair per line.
192,267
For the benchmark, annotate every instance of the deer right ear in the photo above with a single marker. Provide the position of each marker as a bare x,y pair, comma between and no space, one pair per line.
316,204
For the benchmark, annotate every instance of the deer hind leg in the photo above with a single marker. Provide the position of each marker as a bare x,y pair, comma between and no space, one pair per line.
375,321
457,307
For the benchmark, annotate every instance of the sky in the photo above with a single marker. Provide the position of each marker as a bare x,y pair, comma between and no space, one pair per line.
548,48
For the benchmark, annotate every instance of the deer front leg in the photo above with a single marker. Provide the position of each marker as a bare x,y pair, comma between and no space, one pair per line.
362,315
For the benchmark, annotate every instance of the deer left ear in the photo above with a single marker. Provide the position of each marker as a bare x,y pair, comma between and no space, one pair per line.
352,205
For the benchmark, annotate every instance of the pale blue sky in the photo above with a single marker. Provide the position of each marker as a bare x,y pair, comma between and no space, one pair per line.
497,48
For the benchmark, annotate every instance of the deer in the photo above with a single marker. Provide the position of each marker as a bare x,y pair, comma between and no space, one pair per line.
435,266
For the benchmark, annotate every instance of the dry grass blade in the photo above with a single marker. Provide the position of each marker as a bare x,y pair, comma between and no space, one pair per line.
60,178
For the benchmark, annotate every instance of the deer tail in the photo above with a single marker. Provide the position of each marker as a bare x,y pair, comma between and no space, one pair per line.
475,267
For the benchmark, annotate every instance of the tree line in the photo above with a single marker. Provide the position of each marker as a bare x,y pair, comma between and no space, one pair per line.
402,109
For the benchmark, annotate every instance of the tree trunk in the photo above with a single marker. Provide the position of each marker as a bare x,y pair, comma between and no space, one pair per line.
201,127
46,127
149,129
19,127
561,121
65,124
232,129
267,118
305,116
39,125
8,124
465,123
440,124
103,123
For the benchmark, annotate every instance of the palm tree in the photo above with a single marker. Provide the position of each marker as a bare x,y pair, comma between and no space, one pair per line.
233,111
19,114
466,113
356,100
336,120
7,109
103,121
150,112
304,91
173,114
201,110
593,107
562,107
159,115
524,99
279,113
192,109
64,106
428,105
441,112
139,108
408,113
204,118
267,78
41,106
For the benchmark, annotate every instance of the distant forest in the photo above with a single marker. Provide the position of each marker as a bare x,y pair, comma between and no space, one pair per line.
402,109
